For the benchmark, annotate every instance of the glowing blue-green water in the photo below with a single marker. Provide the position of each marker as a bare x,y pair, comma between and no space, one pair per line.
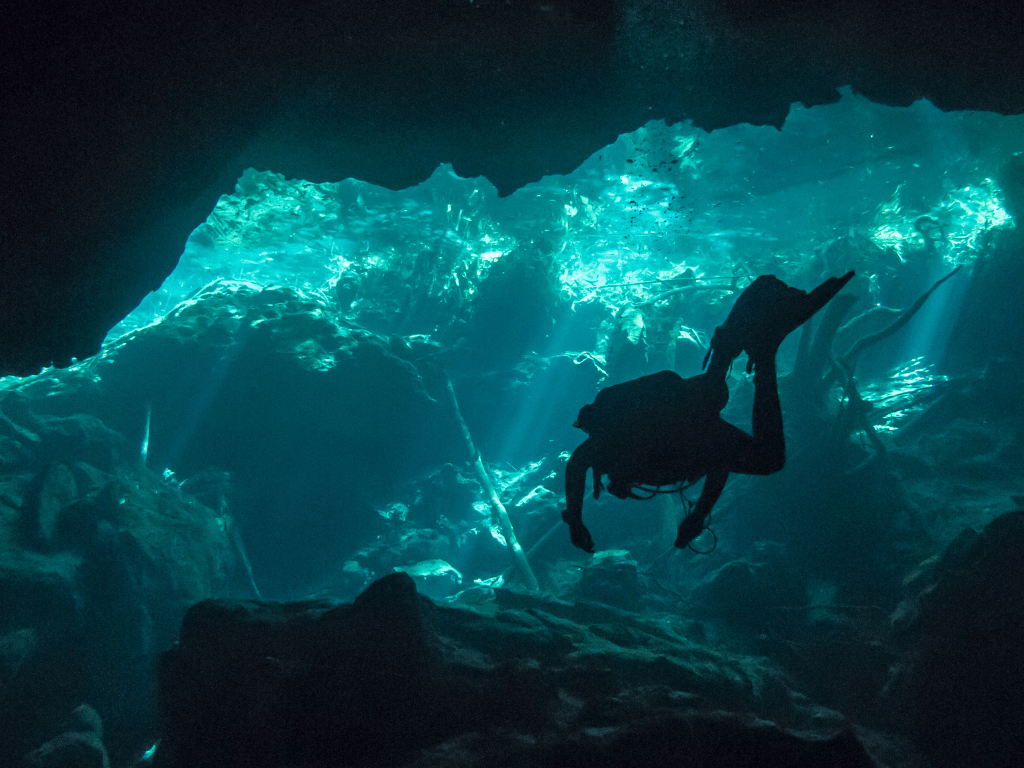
739,201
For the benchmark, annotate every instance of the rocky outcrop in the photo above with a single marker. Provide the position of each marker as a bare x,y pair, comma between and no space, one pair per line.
959,684
98,563
512,679
79,746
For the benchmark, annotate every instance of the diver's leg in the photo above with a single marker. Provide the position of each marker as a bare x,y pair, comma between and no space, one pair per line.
765,313
575,488
768,454
765,452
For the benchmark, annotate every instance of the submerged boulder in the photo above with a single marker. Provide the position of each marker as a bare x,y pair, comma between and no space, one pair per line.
512,678
80,745
97,568
958,686
262,684
51,491
613,577
436,578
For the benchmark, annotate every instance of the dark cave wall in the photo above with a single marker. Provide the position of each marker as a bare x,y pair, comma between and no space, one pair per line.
122,123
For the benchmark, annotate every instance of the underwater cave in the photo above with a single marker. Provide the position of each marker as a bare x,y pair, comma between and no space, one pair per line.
298,329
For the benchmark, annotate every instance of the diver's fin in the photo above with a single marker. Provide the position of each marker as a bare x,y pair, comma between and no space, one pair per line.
822,295
768,311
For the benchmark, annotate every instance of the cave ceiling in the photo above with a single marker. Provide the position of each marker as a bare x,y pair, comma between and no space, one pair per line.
122,124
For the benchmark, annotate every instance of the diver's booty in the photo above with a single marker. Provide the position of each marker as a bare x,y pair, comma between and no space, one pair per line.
766,312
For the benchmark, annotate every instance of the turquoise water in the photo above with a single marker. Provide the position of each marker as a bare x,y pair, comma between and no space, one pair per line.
742,200
340,381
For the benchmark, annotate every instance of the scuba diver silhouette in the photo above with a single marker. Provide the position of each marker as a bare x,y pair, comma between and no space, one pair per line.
664,430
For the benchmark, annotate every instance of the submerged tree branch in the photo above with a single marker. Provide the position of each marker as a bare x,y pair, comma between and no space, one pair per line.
849,360
518,556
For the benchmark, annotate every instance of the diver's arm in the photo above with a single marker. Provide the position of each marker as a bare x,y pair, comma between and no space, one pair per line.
693,523
575,488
